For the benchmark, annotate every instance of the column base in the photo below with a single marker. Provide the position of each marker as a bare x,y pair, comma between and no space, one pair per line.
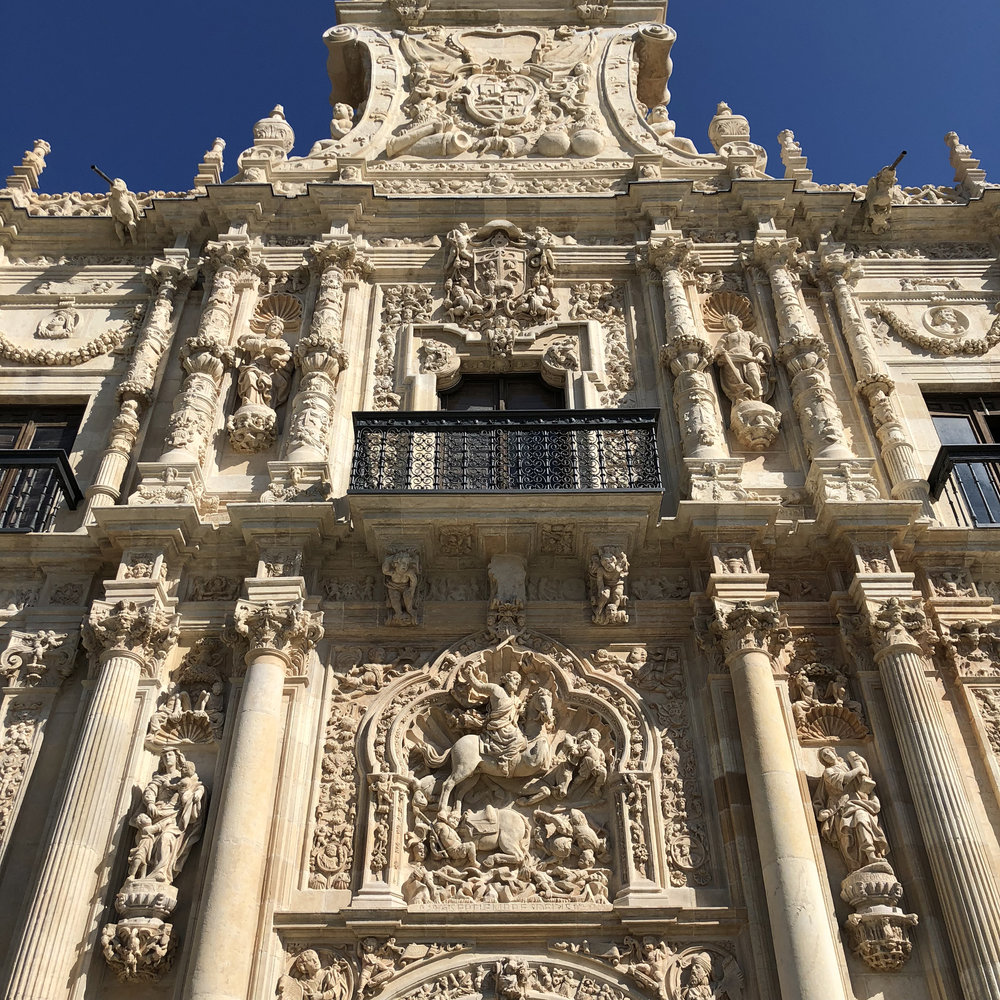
173,483
302,482
714,479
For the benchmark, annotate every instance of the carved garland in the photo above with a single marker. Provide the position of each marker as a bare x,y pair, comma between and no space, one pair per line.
968,344
103,343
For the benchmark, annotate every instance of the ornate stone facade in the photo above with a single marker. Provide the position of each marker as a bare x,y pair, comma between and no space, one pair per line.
499,555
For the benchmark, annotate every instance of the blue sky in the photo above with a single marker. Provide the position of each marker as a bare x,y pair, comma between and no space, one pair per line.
143,89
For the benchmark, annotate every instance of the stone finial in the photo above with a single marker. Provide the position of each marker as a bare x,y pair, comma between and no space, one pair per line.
24,177
793,158
211,166
968,175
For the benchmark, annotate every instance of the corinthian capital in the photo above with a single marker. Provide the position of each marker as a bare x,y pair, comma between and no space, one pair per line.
673,253
772,253
144,631
897,626
836,262
745,626
285,629
345,257
229,256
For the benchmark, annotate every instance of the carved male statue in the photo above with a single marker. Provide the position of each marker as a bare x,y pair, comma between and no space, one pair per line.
308,980
608,570
502,737
401,571
848,811
743,360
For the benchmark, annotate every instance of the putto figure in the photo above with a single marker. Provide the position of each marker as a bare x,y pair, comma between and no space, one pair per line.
608,572
401,571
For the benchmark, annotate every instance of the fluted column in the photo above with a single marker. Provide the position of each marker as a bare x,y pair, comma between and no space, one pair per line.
840,272
205,358
804,946
135,392
687,353
320,355
278,639
129,640
965,880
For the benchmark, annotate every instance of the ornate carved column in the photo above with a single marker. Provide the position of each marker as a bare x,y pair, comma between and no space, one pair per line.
205,358
166,278
320,357
687,352
127,640
804,355
965,880
804,946
278,639
840,271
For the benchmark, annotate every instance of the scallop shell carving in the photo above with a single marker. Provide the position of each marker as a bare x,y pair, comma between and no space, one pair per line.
287,308
720,304
831,724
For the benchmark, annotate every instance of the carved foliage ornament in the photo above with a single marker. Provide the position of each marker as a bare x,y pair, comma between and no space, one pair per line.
38,658
947,331
285,629
745,626
143,631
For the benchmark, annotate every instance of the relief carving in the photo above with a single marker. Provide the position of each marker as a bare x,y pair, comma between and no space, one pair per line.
607,573
602,301
168,823
16,741
192,709
948,331
822,706
847,810
401,575
43,658
401,306
499,272
264,374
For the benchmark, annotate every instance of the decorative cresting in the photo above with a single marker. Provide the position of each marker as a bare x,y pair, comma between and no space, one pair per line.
320,355
646,968
499,280
746,370
141,946
264,375
847,810
168,279
687,352
841,272
144,632
206,357
285,630
509,773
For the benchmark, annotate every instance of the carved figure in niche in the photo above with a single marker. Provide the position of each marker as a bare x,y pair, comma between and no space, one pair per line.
703,983
60,325
401,571
822,705
847,809
169,822
744,361
193,710
608,572
342,121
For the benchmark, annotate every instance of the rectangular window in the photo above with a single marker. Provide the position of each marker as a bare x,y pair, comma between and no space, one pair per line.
969,430
31,487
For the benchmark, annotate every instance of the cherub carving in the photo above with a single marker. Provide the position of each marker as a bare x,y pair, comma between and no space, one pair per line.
608,571
401,571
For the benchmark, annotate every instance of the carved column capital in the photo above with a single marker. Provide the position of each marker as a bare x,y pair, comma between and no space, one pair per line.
286,630
897,626
145,632
344,257
686,352
672,252
838,266
225,256
746,626
776,252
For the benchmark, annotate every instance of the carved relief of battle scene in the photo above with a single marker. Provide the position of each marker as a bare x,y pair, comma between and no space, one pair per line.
508,771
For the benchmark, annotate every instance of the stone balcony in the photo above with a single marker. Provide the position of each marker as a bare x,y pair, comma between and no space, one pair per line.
597,470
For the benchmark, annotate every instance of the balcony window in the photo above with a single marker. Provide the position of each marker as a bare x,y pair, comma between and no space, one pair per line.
34,470
967,469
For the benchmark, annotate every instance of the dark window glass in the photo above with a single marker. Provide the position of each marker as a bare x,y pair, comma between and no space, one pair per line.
527,391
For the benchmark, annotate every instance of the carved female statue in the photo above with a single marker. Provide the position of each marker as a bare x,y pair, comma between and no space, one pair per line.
169,823
848,810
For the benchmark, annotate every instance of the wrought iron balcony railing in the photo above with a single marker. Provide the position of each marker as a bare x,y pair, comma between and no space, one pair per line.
968,475
32,484
506,451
